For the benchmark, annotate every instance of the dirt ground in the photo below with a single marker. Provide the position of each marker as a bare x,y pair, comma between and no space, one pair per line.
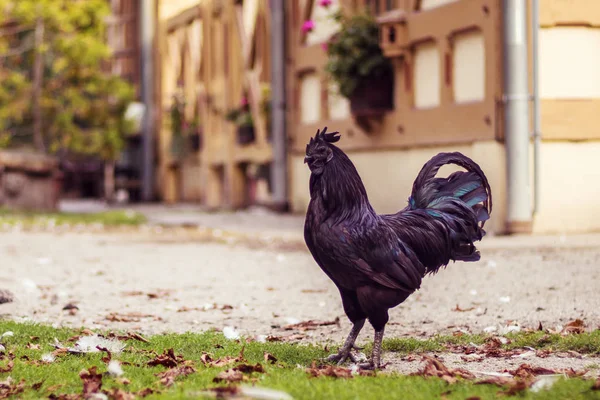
141,280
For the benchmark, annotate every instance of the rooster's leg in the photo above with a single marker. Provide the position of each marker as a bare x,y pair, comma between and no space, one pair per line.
345,351
375,362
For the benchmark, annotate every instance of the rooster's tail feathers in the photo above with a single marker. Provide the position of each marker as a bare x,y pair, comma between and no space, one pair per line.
471,187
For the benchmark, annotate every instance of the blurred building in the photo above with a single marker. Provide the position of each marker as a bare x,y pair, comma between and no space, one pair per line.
449,94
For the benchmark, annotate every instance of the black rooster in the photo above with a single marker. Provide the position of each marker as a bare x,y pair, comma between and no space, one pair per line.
377,261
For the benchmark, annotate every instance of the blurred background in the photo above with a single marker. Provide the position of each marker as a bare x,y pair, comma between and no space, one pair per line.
212,102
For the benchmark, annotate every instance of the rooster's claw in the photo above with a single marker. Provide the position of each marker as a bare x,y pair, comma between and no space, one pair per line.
341,357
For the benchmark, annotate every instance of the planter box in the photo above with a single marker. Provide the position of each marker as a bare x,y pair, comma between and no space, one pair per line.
245,135
29,181
373,97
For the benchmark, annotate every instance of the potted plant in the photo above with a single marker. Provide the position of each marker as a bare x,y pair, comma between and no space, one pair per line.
195,134
358,66
242,118
178,125
265,106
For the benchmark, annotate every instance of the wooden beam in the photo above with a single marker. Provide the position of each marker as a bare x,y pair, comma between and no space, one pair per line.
183,18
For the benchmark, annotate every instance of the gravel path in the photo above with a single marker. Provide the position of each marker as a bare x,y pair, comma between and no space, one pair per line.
153,283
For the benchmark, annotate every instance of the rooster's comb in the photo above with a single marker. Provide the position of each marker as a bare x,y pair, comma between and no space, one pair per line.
323,135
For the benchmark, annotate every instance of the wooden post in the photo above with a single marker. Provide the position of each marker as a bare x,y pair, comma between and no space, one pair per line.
38,72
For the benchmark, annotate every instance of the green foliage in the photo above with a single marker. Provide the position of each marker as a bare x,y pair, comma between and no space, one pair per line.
354,53
82,104
241,116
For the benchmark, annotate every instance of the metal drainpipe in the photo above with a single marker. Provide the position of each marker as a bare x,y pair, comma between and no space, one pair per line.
537,135
516,98
147,91
279,176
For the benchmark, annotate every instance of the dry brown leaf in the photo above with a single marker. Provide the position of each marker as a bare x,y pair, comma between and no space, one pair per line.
119,394
9,388
221,362
458,309
248,368
123,381
311,325
473,398
54,388
167,378
37,385
70,306
130,317
145,392
206,358
92,381
329,370
596,385
313,291
231,375
106,359
495,380
574,327
167,359
34,338
434,367
133,293
60,352
223,392
8,367
33,346
527,371
516,386
270,358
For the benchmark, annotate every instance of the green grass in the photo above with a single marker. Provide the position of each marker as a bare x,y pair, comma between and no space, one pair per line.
585,343
106,218
283,375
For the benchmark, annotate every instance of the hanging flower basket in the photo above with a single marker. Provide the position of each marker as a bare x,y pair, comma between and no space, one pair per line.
358,66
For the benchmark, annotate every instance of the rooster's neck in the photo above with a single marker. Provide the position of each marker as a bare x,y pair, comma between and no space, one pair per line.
339,188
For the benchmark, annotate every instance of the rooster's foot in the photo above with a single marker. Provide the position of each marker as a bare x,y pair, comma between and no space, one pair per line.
370,366
342,356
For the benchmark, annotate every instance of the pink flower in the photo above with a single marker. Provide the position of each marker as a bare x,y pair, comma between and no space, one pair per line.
308,26
324,46
244,101
325,3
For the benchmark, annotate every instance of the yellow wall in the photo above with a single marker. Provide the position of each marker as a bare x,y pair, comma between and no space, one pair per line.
570,188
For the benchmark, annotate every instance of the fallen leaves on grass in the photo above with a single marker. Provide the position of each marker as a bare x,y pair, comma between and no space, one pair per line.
528,371
208,361
249,368
119,394
9,388
574,327
167,378
167,359
8,367
434,367
328,370
92,381
230,375
270,358
288,339
310,325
